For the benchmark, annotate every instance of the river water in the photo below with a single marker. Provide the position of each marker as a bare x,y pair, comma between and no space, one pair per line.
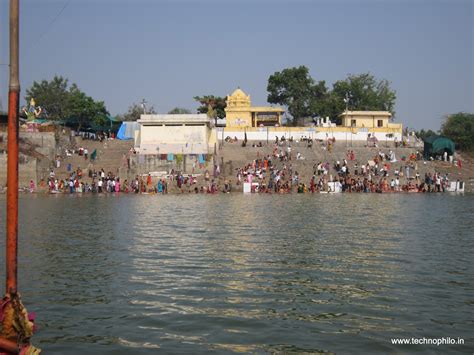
246,274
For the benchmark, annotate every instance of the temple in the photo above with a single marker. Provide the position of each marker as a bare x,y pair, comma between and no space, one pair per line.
240,113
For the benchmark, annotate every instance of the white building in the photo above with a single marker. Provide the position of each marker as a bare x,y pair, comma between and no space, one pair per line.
174,134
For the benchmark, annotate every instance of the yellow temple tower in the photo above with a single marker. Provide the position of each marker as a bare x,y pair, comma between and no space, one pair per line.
240,113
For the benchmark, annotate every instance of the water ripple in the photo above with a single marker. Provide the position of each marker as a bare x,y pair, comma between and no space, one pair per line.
246,274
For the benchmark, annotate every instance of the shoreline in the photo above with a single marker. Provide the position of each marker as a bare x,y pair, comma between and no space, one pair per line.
234,192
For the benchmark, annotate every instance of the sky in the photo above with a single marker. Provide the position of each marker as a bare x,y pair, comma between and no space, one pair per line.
167,52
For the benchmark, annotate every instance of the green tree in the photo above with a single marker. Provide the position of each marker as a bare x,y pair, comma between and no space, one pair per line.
51,96
296,89
320,100
61,102
422,134
460,128
179,110
332,107
134,112
366,93
216,103
82,110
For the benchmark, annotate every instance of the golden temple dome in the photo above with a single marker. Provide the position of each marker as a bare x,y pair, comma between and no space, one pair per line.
239,94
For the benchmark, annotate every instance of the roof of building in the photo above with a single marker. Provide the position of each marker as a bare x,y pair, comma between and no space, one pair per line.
366,113
191,118
266,109
238,94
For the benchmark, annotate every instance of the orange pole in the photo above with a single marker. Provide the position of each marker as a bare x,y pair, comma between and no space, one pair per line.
9,346
12,164
12,193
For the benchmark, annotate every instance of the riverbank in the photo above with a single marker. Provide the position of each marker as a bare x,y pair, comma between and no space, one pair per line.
293,163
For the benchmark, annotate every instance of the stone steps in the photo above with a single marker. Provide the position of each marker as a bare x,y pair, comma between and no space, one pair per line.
109,156
240,156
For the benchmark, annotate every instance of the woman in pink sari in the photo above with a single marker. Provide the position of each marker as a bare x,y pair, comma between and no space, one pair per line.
32,186
117,185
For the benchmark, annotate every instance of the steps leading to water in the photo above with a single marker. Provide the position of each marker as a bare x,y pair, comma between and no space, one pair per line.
111,156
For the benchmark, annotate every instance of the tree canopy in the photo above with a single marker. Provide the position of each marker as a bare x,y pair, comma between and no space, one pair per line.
134,112
304,97
82,110
460,128
215,104
52,96
297,90
179,110
63,102
365,93
423,134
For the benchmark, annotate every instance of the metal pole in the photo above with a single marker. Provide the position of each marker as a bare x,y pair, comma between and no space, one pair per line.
8,345
12,164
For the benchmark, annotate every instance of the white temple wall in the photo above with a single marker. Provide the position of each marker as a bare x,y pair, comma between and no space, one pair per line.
261,134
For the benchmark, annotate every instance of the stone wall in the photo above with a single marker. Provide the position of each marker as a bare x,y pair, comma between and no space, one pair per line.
27,170
45,142
321,133
179,139
152,163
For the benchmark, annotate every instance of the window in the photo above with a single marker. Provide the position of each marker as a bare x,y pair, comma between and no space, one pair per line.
379,123
353,123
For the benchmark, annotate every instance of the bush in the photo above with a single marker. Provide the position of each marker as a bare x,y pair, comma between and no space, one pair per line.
460,128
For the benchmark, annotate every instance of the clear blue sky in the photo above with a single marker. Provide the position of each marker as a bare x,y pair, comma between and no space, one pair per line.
169,51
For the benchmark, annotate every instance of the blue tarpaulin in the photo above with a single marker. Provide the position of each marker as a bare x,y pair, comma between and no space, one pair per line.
170,157
201,159
127,130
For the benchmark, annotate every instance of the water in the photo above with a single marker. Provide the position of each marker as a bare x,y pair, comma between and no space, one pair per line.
259,274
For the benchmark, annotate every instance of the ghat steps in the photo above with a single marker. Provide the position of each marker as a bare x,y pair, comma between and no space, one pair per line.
231,156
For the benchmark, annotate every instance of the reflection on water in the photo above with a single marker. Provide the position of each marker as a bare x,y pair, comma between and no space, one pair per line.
193,274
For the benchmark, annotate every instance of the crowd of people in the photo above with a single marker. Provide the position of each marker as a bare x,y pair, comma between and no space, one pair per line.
102,182
98,136
382,173
270,173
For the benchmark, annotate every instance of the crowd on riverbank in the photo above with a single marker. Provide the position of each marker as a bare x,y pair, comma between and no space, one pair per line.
101,182
284,170
382,173
262,175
